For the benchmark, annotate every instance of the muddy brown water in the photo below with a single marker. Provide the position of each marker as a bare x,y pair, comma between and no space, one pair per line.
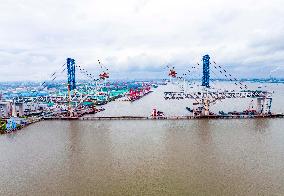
132,157
196,157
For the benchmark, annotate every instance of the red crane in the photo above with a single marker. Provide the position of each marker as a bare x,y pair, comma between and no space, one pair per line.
104,75
172,73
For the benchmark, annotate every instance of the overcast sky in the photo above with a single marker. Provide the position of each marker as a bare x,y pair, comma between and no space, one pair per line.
136,38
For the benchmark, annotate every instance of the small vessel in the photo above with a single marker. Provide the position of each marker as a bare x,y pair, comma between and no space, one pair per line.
157,114
188,109
154,85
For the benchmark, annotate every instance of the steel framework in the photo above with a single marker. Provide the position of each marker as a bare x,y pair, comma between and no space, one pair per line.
206,71
216,95
206,99
71,74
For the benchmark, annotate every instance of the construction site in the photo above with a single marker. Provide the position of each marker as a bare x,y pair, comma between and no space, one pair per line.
86,99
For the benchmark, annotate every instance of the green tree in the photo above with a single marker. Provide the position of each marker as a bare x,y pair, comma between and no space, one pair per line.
2,126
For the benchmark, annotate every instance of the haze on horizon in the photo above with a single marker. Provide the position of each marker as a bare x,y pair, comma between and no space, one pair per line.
137,38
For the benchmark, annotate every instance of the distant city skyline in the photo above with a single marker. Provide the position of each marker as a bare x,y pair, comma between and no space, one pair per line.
138,38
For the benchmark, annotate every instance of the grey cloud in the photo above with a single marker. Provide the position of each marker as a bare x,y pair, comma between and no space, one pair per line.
139,37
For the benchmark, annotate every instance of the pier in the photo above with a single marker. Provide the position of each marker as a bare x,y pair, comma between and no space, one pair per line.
166,117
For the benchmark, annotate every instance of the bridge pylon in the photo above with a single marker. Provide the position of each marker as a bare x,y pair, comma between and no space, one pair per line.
71,81
206,71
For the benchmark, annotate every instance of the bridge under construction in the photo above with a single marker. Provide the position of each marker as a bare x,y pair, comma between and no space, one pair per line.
79,99
208,96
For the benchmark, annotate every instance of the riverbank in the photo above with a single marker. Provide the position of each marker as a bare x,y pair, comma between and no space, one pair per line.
15,124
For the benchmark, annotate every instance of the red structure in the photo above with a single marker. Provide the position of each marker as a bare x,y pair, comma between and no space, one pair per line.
135,94
173,73
104,75
157,114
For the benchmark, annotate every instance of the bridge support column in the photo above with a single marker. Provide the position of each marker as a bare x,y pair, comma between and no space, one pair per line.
14,110
206,107
263,105
202,108
21,109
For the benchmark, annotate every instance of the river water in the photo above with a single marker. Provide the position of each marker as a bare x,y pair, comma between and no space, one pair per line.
170,157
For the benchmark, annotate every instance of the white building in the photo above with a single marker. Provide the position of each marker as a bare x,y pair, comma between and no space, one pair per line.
5,109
